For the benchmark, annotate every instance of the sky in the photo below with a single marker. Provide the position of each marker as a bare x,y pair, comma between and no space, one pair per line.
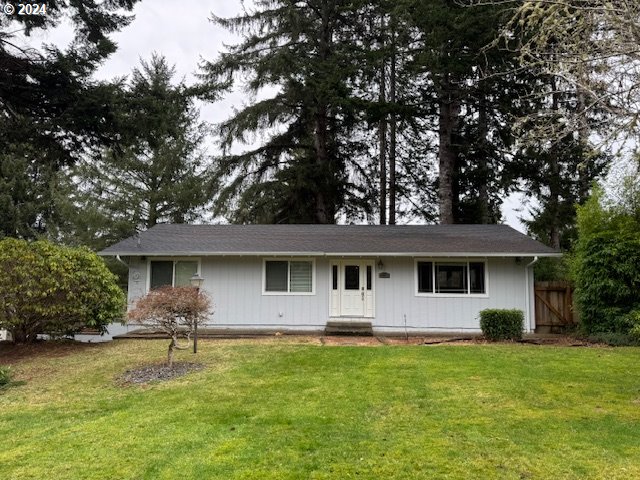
183,33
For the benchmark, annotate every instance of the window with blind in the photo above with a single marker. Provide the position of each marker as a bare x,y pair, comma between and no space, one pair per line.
288,276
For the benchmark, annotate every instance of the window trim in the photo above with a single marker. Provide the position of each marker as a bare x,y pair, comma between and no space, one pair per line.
288,260
174,260
453,261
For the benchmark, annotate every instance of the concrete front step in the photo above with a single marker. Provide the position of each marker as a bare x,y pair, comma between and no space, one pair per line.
363,329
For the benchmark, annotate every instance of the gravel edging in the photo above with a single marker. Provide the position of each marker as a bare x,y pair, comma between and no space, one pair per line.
158,373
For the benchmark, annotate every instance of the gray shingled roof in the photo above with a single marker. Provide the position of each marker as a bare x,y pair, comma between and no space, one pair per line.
185,240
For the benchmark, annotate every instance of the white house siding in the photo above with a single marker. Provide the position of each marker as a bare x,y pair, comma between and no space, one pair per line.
235,286
396,298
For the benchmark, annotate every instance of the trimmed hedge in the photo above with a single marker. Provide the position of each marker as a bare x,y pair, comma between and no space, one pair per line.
502,324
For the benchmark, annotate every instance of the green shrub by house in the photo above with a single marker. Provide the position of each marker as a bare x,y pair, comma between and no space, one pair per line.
498,324
55,290
606,265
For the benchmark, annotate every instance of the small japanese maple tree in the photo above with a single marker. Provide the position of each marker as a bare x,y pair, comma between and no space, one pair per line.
174,310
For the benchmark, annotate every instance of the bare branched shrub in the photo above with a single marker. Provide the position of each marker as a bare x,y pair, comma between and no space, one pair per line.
174,310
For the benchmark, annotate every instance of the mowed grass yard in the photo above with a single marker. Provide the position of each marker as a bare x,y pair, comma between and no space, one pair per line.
291,409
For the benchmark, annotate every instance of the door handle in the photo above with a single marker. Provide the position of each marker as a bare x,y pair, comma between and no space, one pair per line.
362,293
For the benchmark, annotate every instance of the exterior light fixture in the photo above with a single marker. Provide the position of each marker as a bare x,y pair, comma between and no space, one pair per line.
196,282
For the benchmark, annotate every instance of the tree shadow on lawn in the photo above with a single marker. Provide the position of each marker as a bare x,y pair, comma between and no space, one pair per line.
11,353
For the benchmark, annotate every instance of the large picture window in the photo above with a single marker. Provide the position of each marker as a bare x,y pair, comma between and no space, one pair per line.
172,273
288,276
451,278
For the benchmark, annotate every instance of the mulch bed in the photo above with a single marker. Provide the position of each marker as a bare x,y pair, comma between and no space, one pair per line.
157,373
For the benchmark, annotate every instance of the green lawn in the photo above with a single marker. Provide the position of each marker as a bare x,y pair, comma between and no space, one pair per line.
284,409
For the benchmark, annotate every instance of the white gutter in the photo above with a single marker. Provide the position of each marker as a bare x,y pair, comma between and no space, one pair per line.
528,318
327,254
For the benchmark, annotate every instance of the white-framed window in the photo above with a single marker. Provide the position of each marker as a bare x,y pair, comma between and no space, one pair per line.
288,276
172,272
451,277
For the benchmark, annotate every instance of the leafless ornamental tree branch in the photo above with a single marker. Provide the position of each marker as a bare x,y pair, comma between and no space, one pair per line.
592,48
174,310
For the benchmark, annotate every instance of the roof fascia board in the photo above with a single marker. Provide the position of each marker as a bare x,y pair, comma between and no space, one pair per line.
328,254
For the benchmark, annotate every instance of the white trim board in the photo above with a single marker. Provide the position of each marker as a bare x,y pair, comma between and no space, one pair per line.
328,254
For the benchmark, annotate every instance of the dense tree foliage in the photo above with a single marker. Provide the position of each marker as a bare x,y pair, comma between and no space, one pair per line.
386,111
299,173
371,99
51,111
590,46
48,289
469,105
606,265
155,173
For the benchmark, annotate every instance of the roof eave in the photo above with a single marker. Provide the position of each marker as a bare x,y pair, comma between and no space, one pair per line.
329,254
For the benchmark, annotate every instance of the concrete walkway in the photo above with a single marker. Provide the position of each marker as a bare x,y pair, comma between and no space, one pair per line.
426,337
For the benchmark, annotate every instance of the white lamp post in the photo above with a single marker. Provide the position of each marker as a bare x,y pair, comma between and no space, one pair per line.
196,281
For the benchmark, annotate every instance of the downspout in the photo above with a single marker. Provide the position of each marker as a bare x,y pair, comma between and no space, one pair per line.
121,261
528,295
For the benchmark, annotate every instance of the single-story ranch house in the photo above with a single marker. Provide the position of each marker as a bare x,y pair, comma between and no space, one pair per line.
302,277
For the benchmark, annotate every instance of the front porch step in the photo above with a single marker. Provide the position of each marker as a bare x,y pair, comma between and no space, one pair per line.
360,329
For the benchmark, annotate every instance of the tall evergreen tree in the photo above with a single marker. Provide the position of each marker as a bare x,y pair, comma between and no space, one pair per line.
158,171
388,88
51,112
559,172
307,54
469,105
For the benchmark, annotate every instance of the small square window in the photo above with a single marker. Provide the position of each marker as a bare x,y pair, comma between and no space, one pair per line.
276,276
184,272
161,274
300,276
451,278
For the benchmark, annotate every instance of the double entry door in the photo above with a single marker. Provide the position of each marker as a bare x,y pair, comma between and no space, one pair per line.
352,288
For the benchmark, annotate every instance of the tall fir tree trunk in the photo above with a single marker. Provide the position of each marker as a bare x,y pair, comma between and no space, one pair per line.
153,214
382,130
483,168
449,111
325,212
322,159
393,131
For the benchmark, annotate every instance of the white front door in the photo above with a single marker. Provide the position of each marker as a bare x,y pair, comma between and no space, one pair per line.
352,288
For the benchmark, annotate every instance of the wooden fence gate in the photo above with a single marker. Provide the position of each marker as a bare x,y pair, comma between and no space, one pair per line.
554,307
